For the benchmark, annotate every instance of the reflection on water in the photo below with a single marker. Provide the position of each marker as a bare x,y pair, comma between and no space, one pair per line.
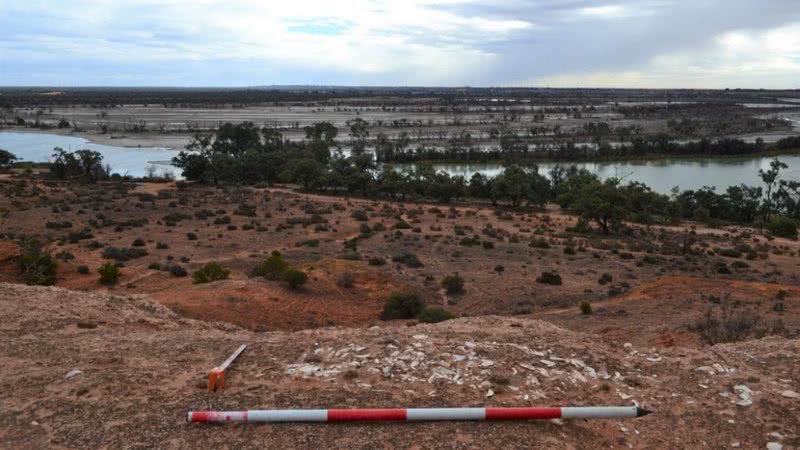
661,175
38,147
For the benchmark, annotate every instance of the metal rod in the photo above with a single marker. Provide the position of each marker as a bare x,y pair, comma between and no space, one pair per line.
418,414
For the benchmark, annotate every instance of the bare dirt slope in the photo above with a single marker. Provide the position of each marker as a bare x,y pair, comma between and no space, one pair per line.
143,366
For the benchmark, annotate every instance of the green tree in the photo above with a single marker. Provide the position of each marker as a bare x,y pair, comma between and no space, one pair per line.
306,171
6,158
513,185
603,203
770,179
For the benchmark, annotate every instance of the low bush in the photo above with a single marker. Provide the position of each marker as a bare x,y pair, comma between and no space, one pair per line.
402,305
123,254
376,261
210,272
586,308
453,284
726,326
272,268
37,266
605,279
783,227
434,314
109,273
360,215
175,270
409,259
551,278
295,278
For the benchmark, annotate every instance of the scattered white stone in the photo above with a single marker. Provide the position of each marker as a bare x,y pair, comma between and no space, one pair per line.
736,444
706,369
72,373
774,446
490,393
548,363
745,395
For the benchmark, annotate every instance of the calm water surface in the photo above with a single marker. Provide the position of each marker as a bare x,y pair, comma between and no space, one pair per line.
133,161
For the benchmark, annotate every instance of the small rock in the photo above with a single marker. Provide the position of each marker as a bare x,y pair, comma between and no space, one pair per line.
73,373
745,395
490,393
35,423
774,446
790,394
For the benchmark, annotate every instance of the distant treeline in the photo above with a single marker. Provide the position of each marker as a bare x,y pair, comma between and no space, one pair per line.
112,96
460,149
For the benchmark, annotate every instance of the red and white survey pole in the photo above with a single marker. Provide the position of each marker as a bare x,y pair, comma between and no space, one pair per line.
417,414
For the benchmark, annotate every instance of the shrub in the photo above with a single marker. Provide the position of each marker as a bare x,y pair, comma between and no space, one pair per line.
549,278
569,250
139,242
191,236
360,215
295,278
729,252
499,269
727,327
210,272
123,254
402,305
162,246
453,284
650,259
376,261
605,279
434,314
38,267
83,269
272,268
65,256
175,270
586,308
154,266
540,243
224,220
409,259
783,227
109,273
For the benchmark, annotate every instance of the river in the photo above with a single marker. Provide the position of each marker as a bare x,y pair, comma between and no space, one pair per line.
661,175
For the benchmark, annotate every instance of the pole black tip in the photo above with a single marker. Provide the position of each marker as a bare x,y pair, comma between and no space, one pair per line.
642,412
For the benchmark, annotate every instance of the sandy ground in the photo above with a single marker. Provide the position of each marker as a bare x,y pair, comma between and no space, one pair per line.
142,367
500,254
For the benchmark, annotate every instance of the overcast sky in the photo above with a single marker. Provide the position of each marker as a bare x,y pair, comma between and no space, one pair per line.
557,43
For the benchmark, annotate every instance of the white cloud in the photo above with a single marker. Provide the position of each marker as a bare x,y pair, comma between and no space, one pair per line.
740,58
